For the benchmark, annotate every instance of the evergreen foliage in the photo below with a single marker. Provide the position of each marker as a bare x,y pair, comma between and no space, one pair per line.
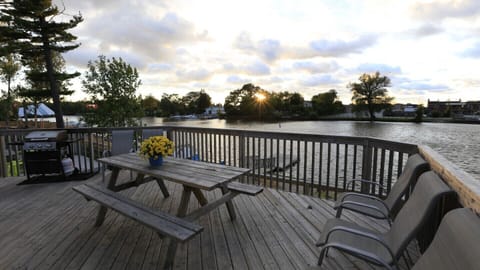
28,28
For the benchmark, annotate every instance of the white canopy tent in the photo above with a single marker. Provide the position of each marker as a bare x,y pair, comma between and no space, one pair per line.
42,111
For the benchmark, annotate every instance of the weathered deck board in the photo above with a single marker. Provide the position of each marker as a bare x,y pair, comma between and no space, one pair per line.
49,226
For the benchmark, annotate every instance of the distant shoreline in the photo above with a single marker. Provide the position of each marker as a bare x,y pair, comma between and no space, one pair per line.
41,123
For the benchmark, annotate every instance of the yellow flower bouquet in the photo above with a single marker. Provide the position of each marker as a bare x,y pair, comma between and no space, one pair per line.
156,147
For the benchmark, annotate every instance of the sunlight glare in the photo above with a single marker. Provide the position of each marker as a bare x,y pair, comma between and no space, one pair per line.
260,97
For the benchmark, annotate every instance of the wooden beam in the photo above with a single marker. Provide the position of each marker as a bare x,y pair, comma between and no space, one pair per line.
467,187
211,206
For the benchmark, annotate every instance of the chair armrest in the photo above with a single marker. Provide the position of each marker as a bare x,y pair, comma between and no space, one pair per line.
361,234
344,204
363,195
356,252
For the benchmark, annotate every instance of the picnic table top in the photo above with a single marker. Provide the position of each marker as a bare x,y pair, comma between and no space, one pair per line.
196,174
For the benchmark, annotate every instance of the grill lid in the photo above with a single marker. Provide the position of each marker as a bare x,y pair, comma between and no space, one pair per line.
49,136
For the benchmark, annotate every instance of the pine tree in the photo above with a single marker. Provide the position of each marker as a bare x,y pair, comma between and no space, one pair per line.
29,29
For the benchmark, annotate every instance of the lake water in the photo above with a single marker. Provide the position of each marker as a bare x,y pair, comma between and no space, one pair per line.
460,143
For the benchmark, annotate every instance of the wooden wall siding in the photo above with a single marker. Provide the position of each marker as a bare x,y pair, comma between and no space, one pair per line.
467,187
49,226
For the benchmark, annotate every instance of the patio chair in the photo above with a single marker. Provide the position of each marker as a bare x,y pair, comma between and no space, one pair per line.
385,249
383,209
147,133
455,245
122,143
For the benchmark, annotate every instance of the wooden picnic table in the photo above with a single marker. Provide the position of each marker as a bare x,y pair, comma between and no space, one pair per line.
195,176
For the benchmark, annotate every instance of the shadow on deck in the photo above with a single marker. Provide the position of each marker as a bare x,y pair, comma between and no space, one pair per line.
49,226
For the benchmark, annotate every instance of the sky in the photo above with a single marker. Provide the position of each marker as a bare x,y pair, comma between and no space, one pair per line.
429,49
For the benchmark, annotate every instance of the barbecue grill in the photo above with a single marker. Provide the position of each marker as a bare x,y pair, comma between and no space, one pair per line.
43,152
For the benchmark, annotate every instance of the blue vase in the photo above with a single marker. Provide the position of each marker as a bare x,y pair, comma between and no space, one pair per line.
156,162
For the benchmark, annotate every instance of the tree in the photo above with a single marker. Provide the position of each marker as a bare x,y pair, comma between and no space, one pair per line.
171,104
37,89
196,102
296,103
327,103
203,102
241,102
31,31
112,86
371,92
9,67
419,114
150,105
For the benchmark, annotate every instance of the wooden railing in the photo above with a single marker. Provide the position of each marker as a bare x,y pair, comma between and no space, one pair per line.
312,164
316,165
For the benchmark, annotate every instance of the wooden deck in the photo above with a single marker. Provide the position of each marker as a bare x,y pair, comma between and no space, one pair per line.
48,226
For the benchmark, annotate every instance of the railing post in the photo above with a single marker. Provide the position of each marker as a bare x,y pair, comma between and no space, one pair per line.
366,165
169,134
241,156
241,150
92,150
3,162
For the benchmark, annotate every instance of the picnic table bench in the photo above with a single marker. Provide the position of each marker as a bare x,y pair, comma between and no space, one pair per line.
164,223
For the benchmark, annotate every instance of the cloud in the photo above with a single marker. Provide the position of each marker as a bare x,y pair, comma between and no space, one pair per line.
149,37
316,80
229,67
160,67
268,49
82,55
257,68
472,52
276,79
326,47
418,85
200,74
234,79
85,7
469,82
382,68
314,67
446,9
244,42
425,30
271,50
